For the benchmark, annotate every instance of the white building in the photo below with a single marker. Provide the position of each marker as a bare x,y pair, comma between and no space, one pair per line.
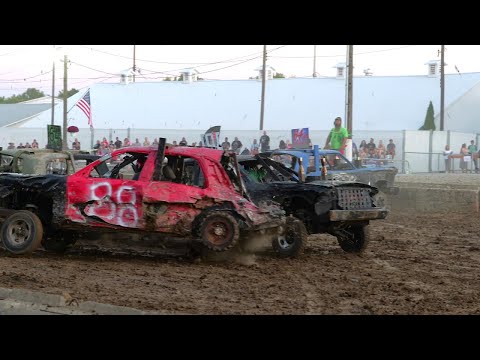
379,103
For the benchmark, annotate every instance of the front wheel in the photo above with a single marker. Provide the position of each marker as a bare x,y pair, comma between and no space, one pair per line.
354,238
292,242
22,232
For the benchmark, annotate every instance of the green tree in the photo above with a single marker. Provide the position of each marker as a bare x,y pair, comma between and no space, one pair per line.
429,119
168,78
70,92
279,76
29,94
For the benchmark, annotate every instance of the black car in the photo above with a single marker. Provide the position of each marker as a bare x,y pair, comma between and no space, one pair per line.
342,209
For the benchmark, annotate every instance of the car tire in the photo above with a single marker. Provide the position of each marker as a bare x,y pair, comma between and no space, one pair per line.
354,238
219,231
22,232
292,243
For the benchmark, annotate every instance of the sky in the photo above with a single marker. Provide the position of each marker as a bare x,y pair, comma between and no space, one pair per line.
25,66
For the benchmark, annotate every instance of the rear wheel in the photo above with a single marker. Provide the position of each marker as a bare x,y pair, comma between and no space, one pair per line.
22,232
353,238
293,241
219,231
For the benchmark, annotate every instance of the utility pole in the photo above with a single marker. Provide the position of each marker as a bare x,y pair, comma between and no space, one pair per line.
53,86
264,72
314,60
348,113
64,142
442,88
134,67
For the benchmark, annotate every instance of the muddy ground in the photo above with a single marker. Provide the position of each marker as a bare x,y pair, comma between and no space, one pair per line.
415,264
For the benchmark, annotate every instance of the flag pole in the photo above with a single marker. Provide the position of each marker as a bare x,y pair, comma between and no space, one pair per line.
78,100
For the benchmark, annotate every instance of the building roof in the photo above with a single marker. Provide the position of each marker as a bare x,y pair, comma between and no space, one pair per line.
14,113
379,103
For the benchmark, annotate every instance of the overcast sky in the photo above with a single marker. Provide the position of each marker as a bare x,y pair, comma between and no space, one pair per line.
24,66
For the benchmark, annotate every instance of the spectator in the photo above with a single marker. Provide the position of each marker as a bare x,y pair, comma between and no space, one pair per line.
472,149
111,143
254,149
20,146
11,146
236,145
34,144
288,144
463,163
28,146
118,143
391,149
226,144
371,145
381,146
200,144
183,142
126,142
354,151
264,142
363,145
174,143
446,155
245,151
146,142
338,136
76,144
155,142
97,146
282,145
105,142
137,142
194,144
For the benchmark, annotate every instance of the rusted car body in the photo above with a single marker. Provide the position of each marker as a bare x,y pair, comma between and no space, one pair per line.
204,197
37,161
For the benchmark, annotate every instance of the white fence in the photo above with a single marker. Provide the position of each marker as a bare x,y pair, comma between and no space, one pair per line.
421,149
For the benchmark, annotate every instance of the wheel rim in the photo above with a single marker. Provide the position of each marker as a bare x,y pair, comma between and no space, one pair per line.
18,232
284,242
218,232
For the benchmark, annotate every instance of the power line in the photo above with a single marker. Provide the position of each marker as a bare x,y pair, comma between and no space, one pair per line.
87,67
173,63
343,55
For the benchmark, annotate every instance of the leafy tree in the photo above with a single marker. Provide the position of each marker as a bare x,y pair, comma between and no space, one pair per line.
70,92
429,119
29,94
168,78
279,76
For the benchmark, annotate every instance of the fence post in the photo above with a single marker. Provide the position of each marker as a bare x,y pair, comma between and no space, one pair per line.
430,149
403,150
92,137
110,135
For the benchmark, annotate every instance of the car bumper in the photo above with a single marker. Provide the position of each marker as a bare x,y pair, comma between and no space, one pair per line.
358,215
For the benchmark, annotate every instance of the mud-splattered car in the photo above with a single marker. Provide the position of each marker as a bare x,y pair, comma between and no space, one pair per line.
37,161
342,209
176,191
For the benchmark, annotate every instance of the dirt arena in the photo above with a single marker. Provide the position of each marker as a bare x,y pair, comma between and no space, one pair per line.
415,264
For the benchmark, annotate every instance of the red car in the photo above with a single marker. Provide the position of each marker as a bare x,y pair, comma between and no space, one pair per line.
185,192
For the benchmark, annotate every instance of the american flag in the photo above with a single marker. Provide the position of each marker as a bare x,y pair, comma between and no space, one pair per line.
84,105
